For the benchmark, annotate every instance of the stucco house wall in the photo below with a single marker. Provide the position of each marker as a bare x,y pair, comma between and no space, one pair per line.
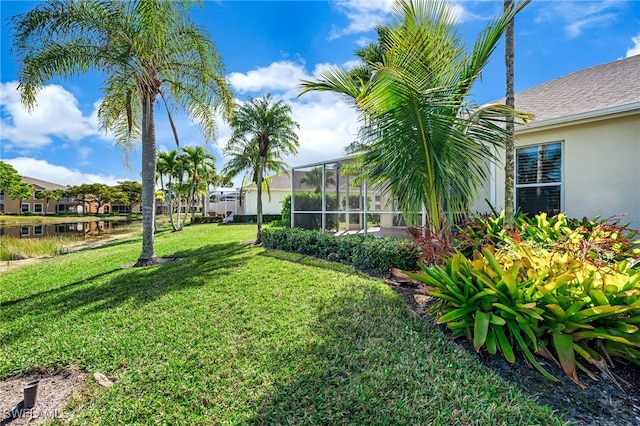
595,114
272,206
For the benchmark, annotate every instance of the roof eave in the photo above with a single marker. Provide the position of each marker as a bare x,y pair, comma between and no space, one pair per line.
581,117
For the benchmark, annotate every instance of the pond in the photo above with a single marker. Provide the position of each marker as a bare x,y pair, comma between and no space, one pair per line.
72,229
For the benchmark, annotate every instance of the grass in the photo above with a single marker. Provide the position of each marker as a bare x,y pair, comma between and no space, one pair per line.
19,248
234,334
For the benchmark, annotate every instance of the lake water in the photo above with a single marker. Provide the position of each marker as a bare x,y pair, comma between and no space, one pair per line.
72,229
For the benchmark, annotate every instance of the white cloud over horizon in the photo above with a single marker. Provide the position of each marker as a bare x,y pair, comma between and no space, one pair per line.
42,169
635,49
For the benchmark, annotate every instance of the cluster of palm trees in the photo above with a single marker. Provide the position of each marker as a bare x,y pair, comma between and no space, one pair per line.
185,176
421,140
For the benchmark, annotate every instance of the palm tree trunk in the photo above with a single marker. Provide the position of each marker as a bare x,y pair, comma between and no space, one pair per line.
263,161
509,172
148,256
192,202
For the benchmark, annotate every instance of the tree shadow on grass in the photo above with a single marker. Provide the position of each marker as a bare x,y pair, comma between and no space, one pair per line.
375,363
110,289
305,259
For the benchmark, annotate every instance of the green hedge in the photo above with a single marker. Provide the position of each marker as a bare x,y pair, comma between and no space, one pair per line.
252,218
207,219
366,253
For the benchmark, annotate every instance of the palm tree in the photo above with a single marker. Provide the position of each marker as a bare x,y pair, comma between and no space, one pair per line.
263,132
509,166
147,50
244,157
198,162
314,178
425,145
172,165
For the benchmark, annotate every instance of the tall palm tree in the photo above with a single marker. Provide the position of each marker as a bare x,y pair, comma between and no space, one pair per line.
314,178
425,145
147,50
198,162
263,132
509,166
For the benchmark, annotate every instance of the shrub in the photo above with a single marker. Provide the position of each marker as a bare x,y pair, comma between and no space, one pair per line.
566,290
433,248
252,218
207,219
362,252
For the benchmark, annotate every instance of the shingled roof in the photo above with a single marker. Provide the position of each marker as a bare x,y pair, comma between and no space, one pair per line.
600,87
42,184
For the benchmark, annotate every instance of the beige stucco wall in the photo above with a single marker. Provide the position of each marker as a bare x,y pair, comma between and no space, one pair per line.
601,168
272,206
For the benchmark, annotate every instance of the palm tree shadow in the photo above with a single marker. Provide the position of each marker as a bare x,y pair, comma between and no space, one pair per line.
111,289
337,366
308,260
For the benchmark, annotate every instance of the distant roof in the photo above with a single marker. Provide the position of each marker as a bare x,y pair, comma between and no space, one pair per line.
283,181
42,184
591,89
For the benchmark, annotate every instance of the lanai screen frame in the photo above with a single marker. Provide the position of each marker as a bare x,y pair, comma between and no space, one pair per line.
366,212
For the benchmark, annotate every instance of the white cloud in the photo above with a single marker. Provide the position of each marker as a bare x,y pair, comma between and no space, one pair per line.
635,50
41,169
328,123
578,16
365,15
279,76
56,115
363,41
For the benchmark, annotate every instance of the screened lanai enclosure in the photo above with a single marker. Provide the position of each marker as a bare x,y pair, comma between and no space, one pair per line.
332,197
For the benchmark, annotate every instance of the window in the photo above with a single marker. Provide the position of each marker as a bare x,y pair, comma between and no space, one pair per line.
24,208
1,208
38,230
539,179
2,195
24,230
37,208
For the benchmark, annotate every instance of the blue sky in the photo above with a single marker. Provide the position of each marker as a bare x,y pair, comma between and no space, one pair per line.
269,46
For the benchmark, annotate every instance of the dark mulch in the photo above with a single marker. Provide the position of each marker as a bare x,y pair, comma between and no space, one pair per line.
603,403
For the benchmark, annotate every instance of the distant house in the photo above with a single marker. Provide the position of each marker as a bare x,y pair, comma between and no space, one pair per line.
36,205
580,154
230,201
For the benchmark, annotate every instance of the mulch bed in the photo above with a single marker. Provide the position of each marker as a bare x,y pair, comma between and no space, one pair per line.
603,403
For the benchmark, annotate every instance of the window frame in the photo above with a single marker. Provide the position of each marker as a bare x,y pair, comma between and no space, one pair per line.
560,183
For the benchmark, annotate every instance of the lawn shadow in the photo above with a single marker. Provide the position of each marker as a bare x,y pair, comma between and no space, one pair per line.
110,289
308,260
345,376
374,362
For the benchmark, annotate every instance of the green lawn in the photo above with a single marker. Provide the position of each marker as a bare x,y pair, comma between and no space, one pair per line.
236,334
